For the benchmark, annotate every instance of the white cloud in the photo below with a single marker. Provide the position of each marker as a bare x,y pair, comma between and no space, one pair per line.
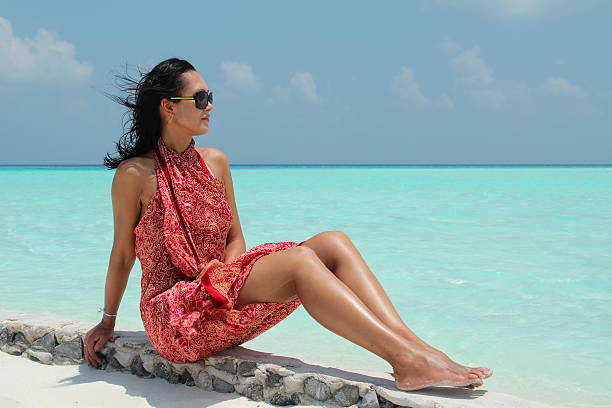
478,82
239,76
473,68
518,8
406,87
301,86
42,58
304,85
563,87
478,79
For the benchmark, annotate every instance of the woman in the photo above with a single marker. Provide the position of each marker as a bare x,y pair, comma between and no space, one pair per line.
174,209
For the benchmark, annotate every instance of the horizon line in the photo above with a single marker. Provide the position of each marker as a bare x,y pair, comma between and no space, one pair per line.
338,165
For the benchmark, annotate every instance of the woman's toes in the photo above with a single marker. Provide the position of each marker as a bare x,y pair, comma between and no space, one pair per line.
485,372
482,372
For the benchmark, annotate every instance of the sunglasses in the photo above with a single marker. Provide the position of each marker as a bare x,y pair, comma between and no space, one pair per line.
201,98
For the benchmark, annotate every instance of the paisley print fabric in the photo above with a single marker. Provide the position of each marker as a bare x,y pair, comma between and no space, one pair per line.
185,225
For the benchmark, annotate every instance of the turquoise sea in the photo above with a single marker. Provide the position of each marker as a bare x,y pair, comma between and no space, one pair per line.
508,267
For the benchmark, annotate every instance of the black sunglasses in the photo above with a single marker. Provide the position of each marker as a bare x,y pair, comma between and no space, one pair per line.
201,98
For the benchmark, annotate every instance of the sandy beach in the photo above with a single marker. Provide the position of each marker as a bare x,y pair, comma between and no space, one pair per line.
84,386
25,383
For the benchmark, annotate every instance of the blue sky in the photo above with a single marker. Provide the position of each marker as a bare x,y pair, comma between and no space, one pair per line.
322,82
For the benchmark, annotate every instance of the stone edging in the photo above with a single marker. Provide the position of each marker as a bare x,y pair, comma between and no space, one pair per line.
59,342
276,379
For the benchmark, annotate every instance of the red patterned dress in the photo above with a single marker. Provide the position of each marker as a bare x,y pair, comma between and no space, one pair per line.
185,225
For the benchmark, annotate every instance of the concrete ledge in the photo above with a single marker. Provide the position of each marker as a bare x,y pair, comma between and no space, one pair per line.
276,379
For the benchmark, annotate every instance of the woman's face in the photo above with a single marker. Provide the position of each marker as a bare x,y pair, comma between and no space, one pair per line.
186,117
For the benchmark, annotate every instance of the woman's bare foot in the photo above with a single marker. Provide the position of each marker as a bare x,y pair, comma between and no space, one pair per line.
425,369
471,386
482,372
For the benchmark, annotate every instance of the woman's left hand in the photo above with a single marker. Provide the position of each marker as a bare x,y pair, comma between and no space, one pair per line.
208,265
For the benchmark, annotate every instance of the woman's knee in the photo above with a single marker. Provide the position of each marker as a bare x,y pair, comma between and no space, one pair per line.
330,246
302,256
333,238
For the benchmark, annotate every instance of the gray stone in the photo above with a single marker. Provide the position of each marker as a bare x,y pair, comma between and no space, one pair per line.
13,349
133,340
149,359
383,403
187,379
45,343
247,368
106,354
254,392
71,349
347,395
284,400
114,363
369,400
164,371
317,389
4,335
62,360
273,379
221,386
19,339
227,365
204,381
40,356
70,331
124,357
137,368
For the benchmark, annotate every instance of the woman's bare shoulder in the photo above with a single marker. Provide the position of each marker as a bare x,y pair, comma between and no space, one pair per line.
213,153
138,167
215,158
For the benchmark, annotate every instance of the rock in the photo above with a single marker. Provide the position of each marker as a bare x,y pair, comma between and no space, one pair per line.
40,356
72,349
204,381
283,400
347,395
247,368
19,339
137,368
45,343
164,371
221,386
369,400
273,379
227,365
317,389
4,336
254,392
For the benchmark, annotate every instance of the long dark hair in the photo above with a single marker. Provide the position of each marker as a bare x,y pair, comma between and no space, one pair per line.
143,127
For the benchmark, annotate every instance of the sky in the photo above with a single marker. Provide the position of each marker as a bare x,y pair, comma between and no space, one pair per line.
419,82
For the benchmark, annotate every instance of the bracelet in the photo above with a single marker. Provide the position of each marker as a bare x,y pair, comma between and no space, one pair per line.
102,310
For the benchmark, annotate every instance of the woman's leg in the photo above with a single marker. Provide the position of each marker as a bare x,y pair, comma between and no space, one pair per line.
337,252
298,271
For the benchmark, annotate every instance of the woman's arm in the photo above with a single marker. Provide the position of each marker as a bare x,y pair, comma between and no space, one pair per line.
125,191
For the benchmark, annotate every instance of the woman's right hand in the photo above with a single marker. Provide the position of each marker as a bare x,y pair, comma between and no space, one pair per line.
94,341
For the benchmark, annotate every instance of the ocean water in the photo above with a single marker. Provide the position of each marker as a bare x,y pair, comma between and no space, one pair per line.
504,267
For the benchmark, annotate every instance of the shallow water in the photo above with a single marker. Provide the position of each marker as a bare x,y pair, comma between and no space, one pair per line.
506,267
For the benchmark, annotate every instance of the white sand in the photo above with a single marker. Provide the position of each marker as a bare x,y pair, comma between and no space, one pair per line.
26,383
